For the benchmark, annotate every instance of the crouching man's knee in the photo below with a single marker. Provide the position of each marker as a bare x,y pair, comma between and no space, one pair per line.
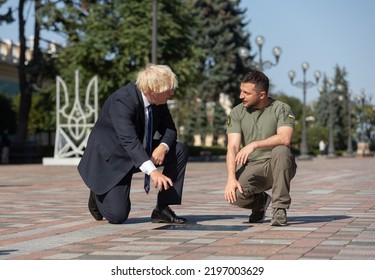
281,151
243,201
118,218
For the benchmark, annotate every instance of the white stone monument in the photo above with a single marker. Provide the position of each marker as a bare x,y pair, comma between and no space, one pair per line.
74,121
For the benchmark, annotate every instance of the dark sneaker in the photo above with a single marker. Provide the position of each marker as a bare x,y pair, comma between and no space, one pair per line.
279,217
258,215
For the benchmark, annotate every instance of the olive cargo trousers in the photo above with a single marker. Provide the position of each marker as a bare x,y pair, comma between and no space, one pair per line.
257,177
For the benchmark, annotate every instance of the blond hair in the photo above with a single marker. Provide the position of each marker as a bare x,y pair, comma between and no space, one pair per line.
156,79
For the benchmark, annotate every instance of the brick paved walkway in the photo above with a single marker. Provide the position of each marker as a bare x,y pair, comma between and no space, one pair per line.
43,215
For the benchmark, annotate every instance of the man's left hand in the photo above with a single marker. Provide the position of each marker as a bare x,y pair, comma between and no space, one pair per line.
158,155
243,155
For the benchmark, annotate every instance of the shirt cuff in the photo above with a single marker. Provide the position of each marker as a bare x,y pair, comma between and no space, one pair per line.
147,167
162,143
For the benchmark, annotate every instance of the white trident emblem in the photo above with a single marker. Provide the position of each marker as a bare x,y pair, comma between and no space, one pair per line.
74,122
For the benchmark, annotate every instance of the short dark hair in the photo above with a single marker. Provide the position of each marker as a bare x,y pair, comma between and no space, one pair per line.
258,78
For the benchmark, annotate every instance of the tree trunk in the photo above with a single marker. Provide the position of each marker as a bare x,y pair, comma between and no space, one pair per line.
27,73
24,107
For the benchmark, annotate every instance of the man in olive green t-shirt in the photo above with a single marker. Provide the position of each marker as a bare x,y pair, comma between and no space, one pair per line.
258,158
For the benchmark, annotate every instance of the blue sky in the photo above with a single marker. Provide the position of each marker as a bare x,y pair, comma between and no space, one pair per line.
324,33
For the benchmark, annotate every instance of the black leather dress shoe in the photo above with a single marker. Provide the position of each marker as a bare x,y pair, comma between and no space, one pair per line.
93,208
166,215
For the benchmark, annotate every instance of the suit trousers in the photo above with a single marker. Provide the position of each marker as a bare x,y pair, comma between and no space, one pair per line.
257,177
115,205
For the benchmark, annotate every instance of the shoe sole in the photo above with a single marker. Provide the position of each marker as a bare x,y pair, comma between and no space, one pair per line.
157,221
277,223
96,216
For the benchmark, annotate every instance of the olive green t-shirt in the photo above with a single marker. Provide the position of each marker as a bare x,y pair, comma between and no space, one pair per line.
256,125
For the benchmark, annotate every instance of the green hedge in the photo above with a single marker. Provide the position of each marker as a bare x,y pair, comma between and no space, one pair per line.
195,151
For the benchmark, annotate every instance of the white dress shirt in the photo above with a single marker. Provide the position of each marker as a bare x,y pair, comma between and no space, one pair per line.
148,166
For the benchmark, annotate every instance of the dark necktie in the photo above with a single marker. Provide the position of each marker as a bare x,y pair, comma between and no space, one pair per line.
148,145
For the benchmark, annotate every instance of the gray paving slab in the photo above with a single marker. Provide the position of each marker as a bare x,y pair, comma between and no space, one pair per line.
43,215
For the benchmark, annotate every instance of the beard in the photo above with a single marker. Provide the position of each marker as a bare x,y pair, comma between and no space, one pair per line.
252,105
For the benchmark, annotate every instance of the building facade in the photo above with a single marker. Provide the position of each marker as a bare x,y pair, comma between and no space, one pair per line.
9,59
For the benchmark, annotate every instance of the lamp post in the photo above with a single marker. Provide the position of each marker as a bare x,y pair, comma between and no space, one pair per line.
329,90
349,150
363,145
154,31
361,102
304,85
260,65
331,141
361,99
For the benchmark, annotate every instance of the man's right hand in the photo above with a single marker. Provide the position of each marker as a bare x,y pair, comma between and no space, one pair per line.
230,190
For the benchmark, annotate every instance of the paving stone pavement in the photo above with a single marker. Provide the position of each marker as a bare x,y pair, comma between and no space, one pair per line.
44,215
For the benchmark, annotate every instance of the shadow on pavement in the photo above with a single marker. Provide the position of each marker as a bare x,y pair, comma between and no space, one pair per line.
315,219
6,252
194,222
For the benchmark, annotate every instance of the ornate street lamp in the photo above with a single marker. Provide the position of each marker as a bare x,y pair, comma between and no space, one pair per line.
349,151
260,65
329,90
304,85
362,99
363,145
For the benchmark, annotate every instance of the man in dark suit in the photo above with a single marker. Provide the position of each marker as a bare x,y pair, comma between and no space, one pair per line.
116,149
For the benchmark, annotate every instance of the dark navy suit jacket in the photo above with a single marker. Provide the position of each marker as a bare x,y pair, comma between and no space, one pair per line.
115,147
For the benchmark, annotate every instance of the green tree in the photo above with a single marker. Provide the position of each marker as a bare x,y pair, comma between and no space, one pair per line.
334,91
119,44
202,125
219,123
190,123
365,118
30,72
297,107
7,114
219,36
115,47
